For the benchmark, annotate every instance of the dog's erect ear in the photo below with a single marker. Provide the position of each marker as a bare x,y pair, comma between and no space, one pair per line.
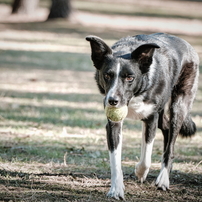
99,50
143,55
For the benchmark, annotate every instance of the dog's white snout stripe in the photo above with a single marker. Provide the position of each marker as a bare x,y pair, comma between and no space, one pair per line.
113,88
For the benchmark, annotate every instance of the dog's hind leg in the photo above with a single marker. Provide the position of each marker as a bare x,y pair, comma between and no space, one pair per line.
181,103
148,134
163,124
114,140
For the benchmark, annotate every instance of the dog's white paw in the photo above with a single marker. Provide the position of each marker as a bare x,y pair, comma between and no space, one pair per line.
162,181
117,191
141,172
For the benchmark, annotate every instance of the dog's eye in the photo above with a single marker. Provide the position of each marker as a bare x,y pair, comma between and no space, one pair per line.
129,78
107,76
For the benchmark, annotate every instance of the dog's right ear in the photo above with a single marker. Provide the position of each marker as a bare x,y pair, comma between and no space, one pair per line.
99,49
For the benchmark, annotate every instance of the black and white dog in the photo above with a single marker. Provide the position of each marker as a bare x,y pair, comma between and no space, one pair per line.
156,76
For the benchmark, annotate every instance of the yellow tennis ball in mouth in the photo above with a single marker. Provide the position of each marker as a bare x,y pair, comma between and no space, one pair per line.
116,114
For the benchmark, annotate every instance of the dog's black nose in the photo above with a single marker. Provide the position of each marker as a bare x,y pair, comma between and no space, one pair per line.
113,101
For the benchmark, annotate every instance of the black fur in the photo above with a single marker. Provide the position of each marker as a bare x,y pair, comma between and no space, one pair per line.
113,133
188,128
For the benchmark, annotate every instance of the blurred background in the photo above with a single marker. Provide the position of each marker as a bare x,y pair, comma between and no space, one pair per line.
52,123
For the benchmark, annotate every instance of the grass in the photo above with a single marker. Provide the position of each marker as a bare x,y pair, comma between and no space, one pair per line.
52,136
164,9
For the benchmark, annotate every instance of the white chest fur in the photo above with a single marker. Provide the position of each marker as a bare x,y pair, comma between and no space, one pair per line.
137,109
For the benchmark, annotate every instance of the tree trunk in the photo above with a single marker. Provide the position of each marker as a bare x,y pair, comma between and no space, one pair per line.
24,6
60,9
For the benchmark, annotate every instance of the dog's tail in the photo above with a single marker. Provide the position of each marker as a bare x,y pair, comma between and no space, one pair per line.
188,128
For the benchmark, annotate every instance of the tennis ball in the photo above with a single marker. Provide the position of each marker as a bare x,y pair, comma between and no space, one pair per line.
116,114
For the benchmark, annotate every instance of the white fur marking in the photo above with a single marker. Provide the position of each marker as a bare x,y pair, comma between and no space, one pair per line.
163,179
113,88
117,186
142,168
137,109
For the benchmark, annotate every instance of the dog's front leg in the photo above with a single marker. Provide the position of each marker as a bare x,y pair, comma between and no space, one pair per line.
148,134
114,140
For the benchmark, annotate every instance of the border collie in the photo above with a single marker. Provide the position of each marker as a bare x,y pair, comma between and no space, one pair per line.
156,76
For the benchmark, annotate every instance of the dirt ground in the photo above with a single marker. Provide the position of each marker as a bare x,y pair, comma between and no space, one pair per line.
93,187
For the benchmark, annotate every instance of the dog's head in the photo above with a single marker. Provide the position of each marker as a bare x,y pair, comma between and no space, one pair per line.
121,73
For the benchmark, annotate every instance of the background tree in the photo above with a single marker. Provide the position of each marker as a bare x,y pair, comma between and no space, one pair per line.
60,9
24,6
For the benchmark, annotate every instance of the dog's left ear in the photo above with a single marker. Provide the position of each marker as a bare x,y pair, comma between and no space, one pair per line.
143,55
99,50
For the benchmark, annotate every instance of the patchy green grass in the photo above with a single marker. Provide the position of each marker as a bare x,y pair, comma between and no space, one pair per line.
52,125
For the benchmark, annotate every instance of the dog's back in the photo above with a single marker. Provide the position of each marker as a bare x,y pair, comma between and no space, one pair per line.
175,73
173,48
